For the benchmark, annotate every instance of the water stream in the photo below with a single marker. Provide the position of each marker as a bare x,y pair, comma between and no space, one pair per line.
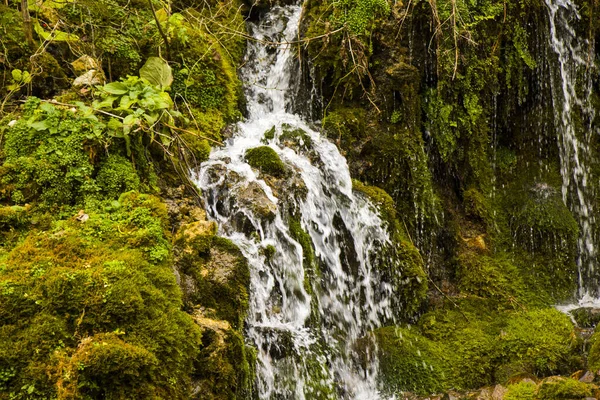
571,90
314,296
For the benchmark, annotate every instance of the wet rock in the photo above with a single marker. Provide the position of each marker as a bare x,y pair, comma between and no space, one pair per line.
452,396
586,317
255,199
196,237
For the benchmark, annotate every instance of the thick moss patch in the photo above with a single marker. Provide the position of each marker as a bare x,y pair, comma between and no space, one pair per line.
266,160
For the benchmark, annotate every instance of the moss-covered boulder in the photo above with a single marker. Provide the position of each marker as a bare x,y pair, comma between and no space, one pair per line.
266,160
539,342
559,388
411,362
88,301
525,390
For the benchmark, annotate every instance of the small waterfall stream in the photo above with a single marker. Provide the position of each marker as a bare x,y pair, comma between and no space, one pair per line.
315,295
572,87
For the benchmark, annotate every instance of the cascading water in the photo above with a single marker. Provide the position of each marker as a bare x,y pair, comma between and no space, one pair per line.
310,314
572,87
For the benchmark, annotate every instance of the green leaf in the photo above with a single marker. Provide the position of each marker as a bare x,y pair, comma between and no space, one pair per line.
55,35
130,120
162,16
39,126
106,103
118,88
158,72
126,102
17,75
114,124
26,77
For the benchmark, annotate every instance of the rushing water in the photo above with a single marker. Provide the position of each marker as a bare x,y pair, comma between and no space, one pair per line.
309,317
571,87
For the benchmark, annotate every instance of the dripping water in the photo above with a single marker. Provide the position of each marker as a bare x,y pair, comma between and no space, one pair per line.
571,89
309,318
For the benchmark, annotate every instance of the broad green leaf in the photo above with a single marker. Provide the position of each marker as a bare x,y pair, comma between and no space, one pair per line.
116,88
106,103
126,102
39,126
114,124
158,72
130,120
26,77
151,118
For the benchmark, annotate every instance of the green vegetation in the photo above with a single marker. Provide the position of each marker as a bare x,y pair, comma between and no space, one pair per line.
113,284
521,391
473,347
266,160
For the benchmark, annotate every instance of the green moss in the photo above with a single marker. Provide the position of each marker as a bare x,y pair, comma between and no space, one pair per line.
48,155
84,301
594,352
400,263
545,234
539,342
557,388
410,362
492,277
381,200
521,391
296,136
269,135
478,206
117,175
266,160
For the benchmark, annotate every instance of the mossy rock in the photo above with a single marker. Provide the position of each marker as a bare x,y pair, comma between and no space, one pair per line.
117,175
266,160
97,298
219,278
295,137
525,390
381,199
493,277
411,362
586,317
539,342
559,388
594,352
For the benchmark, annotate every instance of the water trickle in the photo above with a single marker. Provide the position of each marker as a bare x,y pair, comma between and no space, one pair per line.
571,90
314,296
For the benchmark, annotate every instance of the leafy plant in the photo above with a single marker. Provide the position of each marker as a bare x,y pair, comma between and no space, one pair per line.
141,104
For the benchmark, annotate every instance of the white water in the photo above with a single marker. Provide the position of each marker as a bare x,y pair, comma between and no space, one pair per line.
571,87
307,331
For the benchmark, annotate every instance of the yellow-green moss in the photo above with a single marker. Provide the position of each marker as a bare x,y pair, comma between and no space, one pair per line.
521,391
266,160
104,279
558,388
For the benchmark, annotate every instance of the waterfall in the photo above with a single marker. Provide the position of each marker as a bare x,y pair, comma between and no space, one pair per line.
571,90
313,245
